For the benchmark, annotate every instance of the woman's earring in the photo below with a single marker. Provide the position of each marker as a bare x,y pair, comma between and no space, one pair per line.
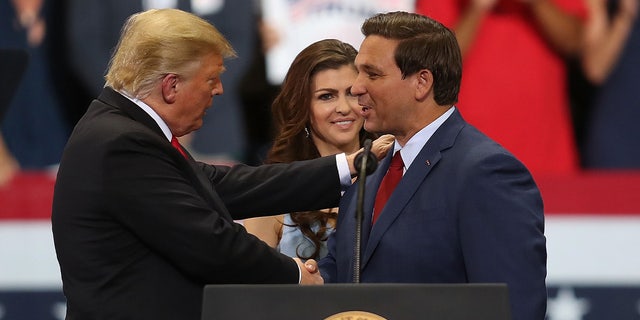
306,132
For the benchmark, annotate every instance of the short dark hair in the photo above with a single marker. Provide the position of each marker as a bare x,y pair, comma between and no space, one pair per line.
424,43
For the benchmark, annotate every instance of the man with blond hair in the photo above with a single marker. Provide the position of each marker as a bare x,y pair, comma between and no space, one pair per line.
140,226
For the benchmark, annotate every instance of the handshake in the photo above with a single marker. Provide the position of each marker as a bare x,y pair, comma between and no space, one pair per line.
309,272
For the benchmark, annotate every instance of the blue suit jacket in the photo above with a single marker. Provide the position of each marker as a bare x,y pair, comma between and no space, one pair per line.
465,211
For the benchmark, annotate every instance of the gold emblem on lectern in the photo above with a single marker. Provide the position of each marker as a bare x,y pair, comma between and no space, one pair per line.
355,315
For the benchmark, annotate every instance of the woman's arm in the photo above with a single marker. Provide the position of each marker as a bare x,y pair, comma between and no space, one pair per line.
605,38
267,229
561,29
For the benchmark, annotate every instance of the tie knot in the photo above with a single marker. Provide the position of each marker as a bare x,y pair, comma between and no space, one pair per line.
396,161
174,142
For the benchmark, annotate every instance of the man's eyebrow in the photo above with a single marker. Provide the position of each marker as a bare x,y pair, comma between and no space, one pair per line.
369,68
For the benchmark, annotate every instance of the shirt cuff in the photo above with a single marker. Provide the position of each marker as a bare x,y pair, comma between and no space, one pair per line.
343,170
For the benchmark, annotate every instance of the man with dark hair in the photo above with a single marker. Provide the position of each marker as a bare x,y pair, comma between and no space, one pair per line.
465,210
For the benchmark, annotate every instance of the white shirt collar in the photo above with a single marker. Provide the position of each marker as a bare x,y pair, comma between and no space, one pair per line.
417,142
163,126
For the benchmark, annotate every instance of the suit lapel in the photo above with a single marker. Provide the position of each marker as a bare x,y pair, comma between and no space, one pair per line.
425,161
197,177
404,191
371,188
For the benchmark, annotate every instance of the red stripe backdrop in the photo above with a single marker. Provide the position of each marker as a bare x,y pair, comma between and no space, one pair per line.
29,195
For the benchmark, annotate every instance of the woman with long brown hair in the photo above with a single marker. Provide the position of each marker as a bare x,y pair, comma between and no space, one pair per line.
315,115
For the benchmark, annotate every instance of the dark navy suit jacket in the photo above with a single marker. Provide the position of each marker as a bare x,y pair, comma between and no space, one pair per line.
466,211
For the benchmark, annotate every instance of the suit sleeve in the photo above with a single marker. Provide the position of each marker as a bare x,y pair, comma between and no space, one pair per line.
148,192
273,189
501,226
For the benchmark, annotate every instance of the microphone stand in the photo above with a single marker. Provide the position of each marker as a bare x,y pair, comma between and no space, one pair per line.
366,163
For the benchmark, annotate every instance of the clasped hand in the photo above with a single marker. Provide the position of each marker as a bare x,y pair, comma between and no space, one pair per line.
379,149
309,271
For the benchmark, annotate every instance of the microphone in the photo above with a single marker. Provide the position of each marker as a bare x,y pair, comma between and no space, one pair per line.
366,163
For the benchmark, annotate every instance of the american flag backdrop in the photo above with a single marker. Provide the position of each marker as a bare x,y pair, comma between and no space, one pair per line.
30,284
593,243
592,229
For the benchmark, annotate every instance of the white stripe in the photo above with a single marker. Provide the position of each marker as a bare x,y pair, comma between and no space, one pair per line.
582,250
593,250
27,256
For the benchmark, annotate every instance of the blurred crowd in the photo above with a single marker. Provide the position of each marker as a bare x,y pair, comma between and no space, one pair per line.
551,80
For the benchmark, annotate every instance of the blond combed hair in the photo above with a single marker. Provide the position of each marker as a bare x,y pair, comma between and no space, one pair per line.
158,42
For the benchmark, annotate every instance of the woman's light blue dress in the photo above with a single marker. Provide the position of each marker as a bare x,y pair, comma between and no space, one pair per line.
294,244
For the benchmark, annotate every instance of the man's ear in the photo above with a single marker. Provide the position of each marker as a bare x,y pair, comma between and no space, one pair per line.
424,79
169,83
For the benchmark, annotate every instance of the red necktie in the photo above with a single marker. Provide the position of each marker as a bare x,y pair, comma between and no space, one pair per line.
389,182
176,144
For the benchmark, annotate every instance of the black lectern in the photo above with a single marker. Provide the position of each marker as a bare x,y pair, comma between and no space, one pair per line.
357,301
